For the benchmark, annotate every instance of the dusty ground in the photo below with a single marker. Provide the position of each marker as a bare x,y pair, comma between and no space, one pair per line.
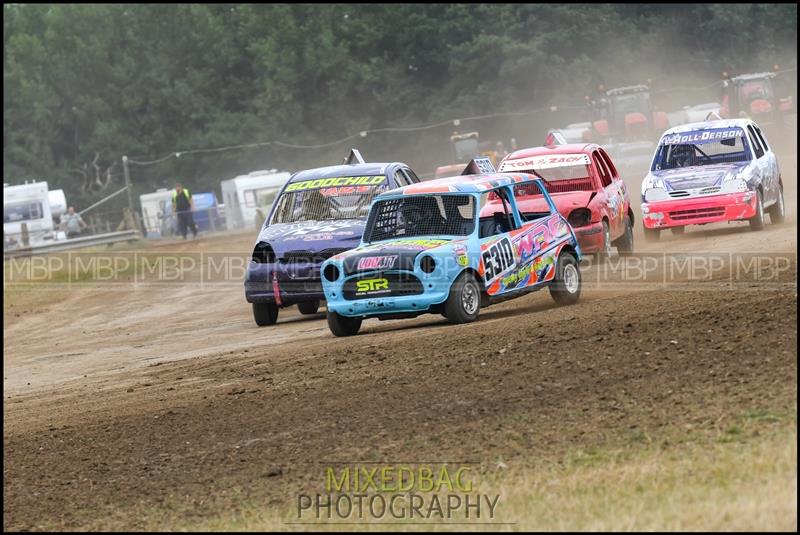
121,401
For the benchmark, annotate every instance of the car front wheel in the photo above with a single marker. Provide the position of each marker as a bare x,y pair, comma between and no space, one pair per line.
777,212
464,302
757,221
625,242
604,253
265,313
343,325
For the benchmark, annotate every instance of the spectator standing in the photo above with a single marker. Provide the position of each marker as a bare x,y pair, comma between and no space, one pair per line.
182,206
73,223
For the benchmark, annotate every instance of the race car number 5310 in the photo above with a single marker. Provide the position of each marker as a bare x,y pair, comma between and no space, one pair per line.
498,258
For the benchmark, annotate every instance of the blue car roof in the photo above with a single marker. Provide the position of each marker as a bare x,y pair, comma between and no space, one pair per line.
334,171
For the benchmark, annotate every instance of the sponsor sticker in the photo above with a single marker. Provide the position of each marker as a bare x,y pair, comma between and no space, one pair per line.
377,262
419,244
701,136
372,287
544,162
336,182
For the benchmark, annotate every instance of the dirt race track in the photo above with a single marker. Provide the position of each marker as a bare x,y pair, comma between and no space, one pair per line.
120,401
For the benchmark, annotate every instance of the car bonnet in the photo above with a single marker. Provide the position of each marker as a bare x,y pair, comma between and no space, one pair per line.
399,253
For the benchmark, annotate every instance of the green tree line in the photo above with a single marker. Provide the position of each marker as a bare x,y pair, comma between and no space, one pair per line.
85,84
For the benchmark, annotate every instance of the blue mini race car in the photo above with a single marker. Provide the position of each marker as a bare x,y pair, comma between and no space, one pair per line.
451,246
319,212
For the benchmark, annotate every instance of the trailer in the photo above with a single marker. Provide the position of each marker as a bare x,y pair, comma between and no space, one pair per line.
248,198
154,212
28,216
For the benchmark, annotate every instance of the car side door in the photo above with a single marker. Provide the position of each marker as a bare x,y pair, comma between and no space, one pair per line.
617,196
497,220
760,166
603,199
771,169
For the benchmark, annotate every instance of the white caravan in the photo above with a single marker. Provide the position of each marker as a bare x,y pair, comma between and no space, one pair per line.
29,204
153,209
248,198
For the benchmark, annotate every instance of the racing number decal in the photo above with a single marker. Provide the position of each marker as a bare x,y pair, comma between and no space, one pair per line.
497,258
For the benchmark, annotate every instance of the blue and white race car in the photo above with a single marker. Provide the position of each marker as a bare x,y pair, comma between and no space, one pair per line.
450,246
722,170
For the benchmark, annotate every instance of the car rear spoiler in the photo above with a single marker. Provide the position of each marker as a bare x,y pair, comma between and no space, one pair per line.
353,157
479,166
555,138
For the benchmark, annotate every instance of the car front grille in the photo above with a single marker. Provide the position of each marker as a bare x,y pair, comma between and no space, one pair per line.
310,257
697,213
395,285
677,194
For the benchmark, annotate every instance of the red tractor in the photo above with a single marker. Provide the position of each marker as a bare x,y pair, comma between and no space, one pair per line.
755,96
625,114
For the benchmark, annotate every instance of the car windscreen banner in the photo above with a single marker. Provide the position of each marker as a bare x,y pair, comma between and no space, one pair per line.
544,162
337,182
699,137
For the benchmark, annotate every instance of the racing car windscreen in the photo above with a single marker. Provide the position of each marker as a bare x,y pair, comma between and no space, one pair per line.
421,215
328,199
561,173
704,147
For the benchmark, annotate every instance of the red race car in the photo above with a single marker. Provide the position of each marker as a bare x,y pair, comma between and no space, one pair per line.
586,188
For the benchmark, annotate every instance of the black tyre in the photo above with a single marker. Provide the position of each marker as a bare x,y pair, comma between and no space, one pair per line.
265,313
309,307
757,221
605,253
651,234
625,242
343,325
464,302
777,212
677,231
566,287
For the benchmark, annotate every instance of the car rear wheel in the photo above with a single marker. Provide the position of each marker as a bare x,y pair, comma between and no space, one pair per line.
625,242
777,212
265,313
566,287
309,307
464,302
343,325
651,234
757,221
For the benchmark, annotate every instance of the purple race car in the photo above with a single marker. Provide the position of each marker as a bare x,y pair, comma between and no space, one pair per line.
319,213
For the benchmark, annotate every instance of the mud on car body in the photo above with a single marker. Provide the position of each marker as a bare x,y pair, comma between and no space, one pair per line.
711,171
318,213
450,246
585,186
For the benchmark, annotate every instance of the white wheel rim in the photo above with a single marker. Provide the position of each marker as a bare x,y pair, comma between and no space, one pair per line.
469,299
571,278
